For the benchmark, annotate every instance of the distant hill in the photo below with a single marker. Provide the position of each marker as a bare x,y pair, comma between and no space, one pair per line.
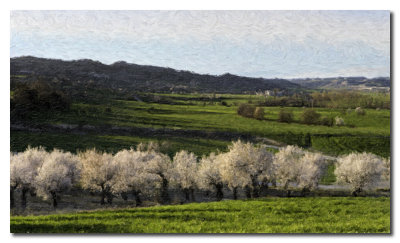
128,77
355,83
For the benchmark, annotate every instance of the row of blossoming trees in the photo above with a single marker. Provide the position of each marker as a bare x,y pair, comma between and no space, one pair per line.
145,170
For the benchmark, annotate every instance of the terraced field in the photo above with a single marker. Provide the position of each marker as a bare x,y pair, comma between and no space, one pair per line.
200,120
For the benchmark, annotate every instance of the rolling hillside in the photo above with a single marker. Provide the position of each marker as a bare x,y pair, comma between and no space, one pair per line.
127,77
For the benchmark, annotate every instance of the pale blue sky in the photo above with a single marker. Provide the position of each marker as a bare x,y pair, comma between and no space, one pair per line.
284,44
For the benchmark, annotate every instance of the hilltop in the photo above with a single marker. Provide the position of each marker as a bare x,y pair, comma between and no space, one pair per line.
128,77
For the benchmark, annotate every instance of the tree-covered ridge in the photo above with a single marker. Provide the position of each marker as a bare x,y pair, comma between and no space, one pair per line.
128,77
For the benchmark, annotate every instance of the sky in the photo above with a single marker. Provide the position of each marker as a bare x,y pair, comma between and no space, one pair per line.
269,44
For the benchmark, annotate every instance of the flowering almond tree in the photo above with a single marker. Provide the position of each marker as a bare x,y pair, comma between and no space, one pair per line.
183,172
312,167
97,173
232,173
24,168
246,166
158,165
386,172
131,175
286,165
209,175
360,170
58,173
292,164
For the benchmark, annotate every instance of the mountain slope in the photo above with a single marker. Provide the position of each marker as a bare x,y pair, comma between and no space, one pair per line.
356,83
133,77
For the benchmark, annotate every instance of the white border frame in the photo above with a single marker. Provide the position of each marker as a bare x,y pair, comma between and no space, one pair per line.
393,6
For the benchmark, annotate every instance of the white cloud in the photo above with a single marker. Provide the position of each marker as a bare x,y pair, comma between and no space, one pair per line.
334,39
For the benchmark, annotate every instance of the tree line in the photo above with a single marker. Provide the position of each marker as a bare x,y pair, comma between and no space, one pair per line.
36,97
145,170
330,99
308,116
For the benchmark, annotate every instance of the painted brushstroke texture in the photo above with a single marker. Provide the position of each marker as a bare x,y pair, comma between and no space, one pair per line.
284,44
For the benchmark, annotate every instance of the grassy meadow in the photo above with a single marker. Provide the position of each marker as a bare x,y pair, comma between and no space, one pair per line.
267,215
370,132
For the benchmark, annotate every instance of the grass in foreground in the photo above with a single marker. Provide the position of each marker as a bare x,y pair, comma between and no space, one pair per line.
268,215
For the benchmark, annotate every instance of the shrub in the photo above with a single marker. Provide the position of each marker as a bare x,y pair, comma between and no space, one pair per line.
259,113
326,121
360,170
339,121
37,96
360,111
285,116
310,116
246,110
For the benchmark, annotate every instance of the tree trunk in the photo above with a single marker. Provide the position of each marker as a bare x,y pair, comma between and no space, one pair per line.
186,192
103,195
54,198
220,194
12,200
137,198
235,193
248,191
23,197
110,197
192,194
304,191
256,187
256,192
265,188
124,196
288,192
355,192
164,191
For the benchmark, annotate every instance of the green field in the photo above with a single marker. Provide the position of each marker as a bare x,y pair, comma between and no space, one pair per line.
268,215
112,143
186,112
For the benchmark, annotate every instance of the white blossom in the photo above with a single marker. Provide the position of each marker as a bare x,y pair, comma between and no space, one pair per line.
312,167
132,174
386,172
209,173
58,173
304,168
339,121
360,170
24,166
97,170
286,164
183,171
245,165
